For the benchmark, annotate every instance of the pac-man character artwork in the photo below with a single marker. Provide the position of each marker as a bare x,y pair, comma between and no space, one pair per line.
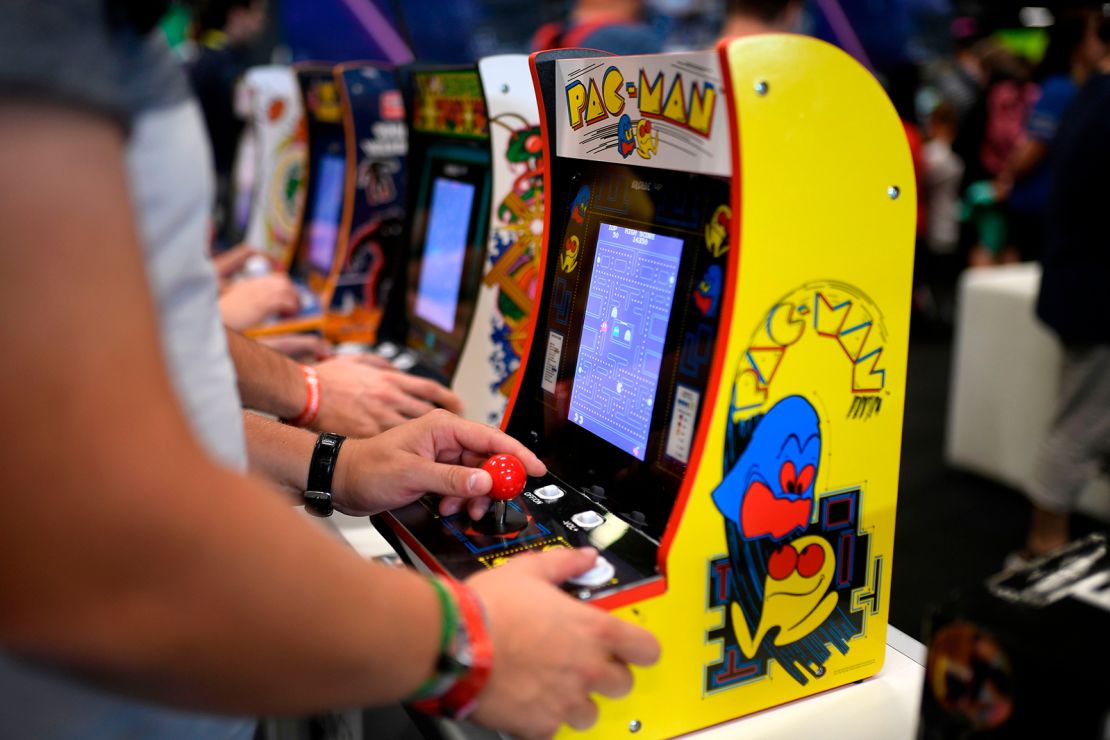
799,578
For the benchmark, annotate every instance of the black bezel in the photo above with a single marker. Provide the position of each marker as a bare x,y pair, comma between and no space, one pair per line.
456,161
665,203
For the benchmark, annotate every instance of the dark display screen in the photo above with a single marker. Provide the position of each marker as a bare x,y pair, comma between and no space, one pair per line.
444,252
323,226
624,328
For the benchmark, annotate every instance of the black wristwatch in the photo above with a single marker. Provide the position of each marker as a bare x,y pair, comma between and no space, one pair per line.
317,491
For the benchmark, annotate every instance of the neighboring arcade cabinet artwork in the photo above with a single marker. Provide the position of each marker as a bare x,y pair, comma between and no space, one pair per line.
716,373
449,168
510,274
314,266
1013,657
371,227
280,146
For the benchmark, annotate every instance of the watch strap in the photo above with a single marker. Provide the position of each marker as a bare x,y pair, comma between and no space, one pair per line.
321,469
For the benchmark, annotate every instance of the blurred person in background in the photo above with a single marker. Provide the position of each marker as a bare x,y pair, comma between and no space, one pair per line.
1072,302
615,26
943,172
959,79
987,138
749,17
146,577
223,32
1074,49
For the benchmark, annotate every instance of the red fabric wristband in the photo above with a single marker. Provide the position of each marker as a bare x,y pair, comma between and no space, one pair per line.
312,400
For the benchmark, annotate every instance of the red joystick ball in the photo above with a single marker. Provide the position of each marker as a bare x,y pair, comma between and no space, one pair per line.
508,476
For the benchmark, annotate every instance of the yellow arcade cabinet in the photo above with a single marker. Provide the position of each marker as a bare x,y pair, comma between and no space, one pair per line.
716,372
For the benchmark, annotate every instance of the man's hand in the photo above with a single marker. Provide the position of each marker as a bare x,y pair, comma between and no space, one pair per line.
359,398
251,301
232,261
437,453
551,652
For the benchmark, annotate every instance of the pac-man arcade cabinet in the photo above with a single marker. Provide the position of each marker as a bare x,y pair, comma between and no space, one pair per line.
716,372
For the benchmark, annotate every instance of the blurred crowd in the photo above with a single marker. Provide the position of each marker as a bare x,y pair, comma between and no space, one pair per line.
980,111
988,117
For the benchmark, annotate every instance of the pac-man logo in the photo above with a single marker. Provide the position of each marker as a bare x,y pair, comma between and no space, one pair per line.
690,105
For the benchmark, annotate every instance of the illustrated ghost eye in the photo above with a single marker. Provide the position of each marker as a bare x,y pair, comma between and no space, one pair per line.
788,478
805,478
811,560
781,563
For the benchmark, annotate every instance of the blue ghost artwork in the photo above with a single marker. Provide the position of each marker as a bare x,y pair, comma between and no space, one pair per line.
708,293
769,491
626,136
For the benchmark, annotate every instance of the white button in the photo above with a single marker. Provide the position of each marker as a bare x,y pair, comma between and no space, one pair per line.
387,350
588,519
550,492
404,361
350,348
602,572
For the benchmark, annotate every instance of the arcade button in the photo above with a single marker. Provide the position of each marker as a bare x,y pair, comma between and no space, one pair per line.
404,361
354,349
588,519
388,350
602,572
550,492
509,477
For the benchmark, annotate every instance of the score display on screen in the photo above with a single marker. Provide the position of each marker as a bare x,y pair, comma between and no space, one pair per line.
628,309
437,293
323,226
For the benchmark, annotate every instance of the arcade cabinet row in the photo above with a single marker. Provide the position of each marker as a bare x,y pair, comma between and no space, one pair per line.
704,288
403,203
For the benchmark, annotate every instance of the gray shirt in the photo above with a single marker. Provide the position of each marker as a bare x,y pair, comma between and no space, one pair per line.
68,52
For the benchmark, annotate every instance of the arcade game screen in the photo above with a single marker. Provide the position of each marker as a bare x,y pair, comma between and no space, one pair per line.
437,293
323,224
624,327
448,239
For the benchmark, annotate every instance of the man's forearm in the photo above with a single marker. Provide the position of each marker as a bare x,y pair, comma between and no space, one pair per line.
278,451
224,593
268,380
132,556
